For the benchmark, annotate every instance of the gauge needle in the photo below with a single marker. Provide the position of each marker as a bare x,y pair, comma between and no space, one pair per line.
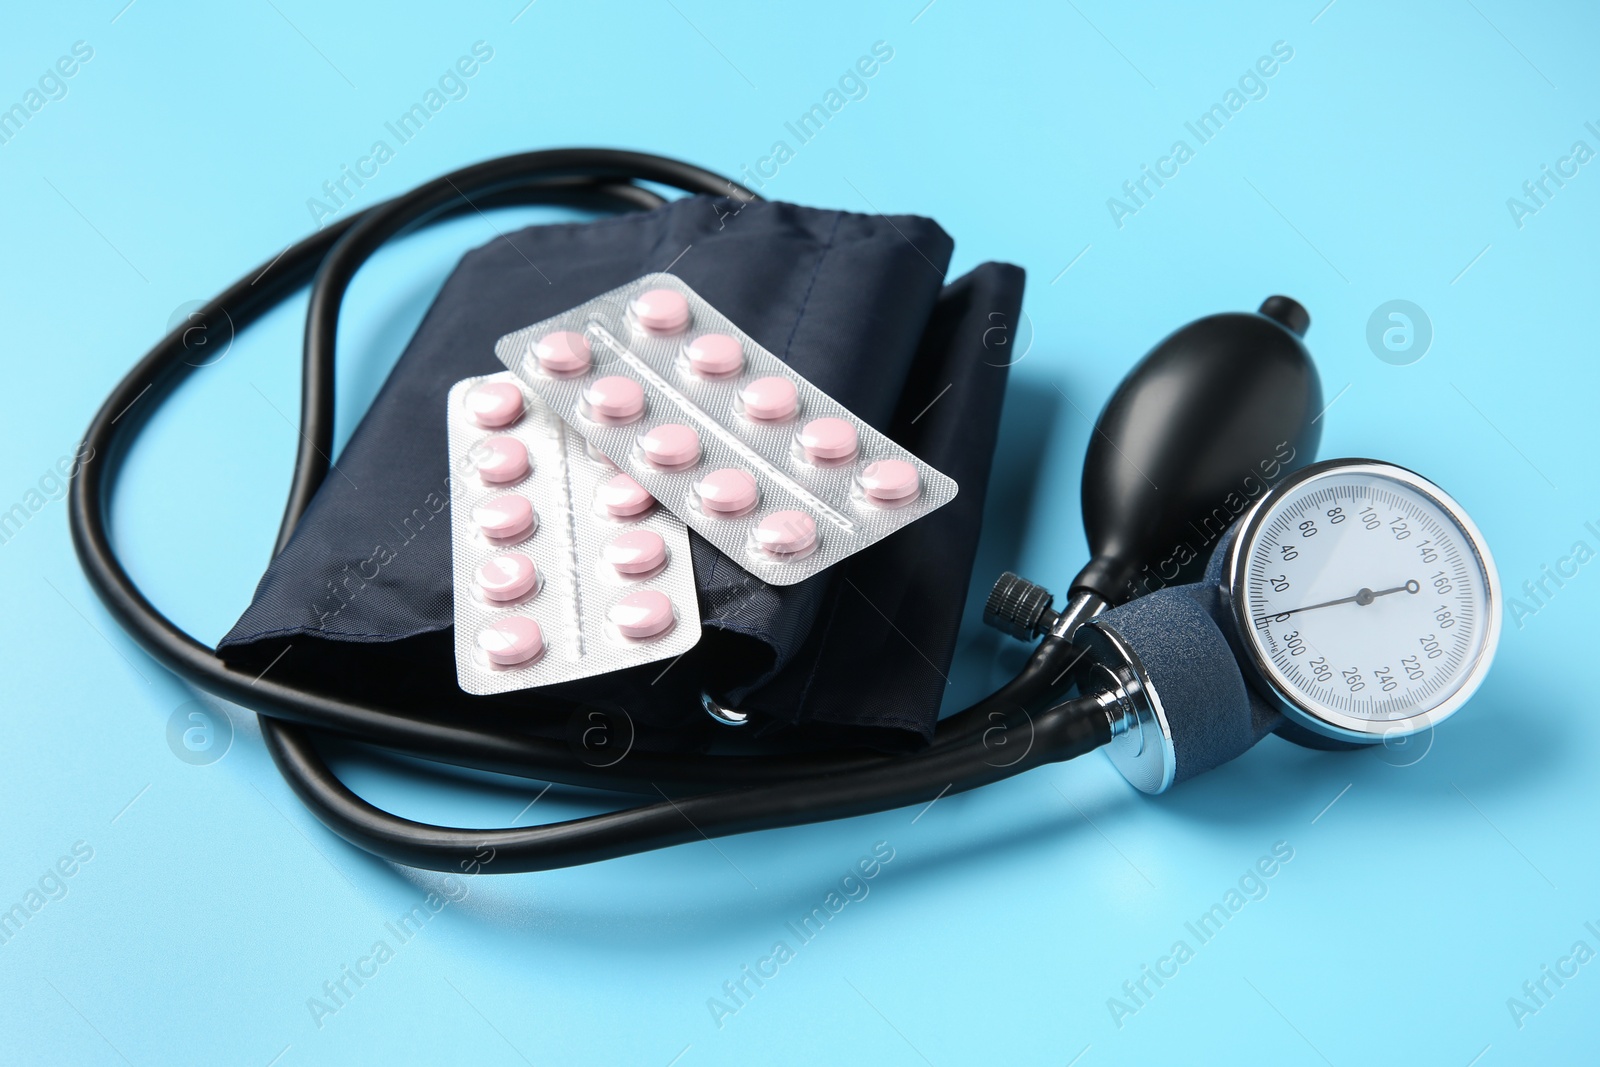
1363,598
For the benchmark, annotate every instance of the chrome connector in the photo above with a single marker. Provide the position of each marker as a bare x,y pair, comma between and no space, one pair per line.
1120,713
1082,606
721,712
1141,736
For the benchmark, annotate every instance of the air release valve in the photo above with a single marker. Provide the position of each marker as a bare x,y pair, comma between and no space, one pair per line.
1018,607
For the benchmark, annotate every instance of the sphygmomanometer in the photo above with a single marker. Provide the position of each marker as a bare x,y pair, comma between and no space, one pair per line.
682,502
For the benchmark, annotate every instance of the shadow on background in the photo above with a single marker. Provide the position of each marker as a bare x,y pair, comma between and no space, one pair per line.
1030,425
687,894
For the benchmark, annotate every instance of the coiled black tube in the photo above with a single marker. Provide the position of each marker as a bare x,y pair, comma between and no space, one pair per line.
756,791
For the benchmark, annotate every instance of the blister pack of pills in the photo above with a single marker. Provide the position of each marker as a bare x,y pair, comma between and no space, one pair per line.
563,566
766,466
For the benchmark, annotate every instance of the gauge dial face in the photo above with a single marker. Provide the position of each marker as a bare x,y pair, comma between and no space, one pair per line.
1366,599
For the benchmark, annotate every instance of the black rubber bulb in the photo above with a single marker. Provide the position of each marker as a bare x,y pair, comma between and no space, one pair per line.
1198,429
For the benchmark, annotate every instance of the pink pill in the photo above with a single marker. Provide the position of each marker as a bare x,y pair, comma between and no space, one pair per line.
671,446
828,439
890,481
622,497
770,398
715,355
635,552
661,311
507,577
511,641
647,613
562,352
727,492
786,533
505,516
501,460
494,405
615,397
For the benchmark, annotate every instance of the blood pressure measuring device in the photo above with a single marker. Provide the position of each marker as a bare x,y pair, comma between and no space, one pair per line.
1358,599
1352,603
1339,604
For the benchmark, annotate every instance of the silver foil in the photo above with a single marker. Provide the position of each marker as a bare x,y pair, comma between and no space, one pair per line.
576,586
846,521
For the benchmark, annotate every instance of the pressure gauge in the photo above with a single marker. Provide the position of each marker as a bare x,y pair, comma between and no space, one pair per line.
1366,601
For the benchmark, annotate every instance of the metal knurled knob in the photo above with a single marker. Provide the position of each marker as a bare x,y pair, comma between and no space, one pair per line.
1018,607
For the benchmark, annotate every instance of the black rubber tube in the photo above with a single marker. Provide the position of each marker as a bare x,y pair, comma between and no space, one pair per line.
1060,733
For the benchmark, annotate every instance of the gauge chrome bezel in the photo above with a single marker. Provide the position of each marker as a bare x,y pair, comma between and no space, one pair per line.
1273,683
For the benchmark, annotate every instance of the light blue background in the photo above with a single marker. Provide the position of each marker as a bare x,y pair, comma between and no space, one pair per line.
1377,167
